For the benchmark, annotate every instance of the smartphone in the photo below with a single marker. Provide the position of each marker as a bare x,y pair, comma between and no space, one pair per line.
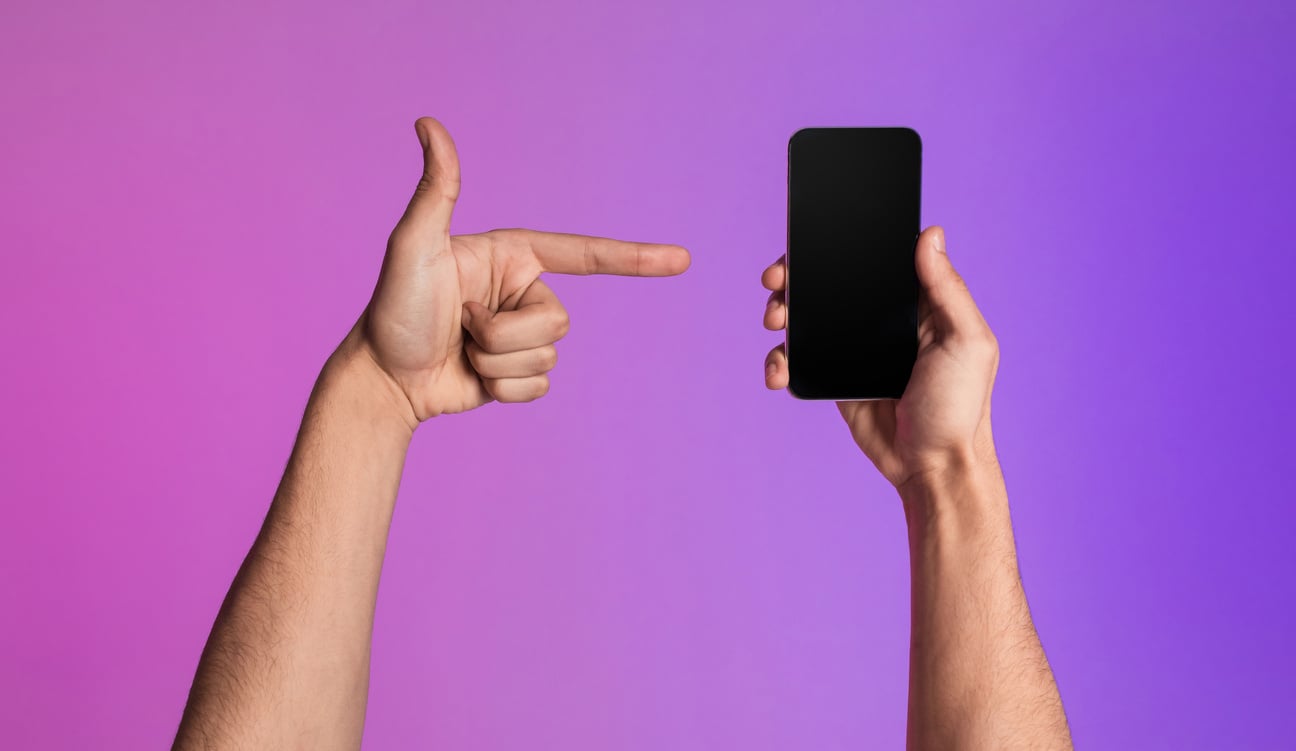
852,291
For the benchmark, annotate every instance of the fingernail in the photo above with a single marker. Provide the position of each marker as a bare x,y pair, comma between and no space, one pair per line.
770,367
938,239
467,316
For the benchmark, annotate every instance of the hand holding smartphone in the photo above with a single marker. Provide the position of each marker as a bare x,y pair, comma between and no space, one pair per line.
852,291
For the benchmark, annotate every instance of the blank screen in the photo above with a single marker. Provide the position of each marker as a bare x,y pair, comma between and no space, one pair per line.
852,293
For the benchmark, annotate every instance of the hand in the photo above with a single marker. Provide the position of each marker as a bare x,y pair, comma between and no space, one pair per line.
943,420
459,321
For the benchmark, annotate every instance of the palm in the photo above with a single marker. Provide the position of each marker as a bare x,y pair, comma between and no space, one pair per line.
416,322
893,433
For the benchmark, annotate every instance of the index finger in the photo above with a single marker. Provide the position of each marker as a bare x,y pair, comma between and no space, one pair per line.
582,254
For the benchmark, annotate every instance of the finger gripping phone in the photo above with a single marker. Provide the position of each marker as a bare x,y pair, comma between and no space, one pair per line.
852,291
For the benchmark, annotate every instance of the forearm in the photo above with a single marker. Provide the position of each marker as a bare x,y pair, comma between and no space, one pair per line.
287,662
978,674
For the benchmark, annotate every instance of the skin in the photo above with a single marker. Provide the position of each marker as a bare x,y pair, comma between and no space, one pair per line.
454,322
978,676
458,321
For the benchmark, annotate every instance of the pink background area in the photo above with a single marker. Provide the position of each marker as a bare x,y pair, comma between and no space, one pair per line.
194,199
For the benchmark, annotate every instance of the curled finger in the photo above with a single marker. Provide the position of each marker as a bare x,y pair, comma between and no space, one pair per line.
539,319
774,278
515,390
776,368
521,364
775,312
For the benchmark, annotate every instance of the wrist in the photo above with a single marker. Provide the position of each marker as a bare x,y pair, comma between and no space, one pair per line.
962,498
353,368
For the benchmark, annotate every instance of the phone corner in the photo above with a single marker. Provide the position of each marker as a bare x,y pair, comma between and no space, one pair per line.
799,133
799,393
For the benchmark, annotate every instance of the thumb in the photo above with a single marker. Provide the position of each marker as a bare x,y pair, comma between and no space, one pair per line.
946,291
427,218
475,317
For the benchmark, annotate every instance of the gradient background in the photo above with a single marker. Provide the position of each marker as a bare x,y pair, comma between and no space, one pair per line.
194,199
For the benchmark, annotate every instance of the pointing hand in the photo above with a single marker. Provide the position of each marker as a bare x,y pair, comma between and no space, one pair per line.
458,321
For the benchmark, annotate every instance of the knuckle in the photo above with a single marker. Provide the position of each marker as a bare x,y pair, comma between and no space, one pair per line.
399,237
505,236
966,340
450,187
561,324
541,387
984,344
548,358
589,255
986,338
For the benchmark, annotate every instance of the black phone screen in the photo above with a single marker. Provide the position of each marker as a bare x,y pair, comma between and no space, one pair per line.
852,292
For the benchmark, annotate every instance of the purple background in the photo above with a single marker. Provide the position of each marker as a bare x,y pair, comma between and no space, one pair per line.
660,554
